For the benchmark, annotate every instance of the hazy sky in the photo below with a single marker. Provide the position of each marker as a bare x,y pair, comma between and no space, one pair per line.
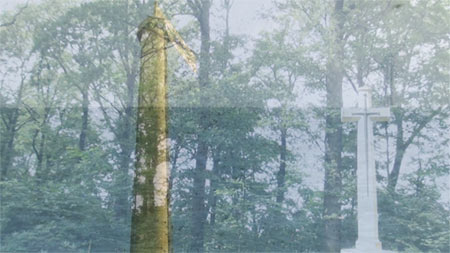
243,14
10,4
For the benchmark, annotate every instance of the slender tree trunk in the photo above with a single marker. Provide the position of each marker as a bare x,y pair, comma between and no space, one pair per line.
202,10
7,141
84,120
89,246
124,131
213,196
281,176
402,143
40,149
333,138
150,215
121,204
198,198
226,38
399,150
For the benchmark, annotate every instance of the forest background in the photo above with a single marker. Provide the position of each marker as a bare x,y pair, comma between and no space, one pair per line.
263,112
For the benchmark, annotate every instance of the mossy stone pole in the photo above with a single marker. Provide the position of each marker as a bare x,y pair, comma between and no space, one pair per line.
150,215
150,224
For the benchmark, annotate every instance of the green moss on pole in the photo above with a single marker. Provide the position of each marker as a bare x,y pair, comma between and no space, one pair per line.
150,216
150,226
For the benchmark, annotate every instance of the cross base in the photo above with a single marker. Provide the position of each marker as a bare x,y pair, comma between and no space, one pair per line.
372,246
355,250
368,245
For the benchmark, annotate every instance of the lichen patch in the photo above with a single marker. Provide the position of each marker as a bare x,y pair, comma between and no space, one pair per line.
141,179
139,202
163,142
161,184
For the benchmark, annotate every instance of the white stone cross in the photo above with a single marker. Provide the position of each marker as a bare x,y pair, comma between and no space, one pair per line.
366,175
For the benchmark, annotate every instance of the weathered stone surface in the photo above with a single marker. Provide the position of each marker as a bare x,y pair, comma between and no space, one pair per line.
366,175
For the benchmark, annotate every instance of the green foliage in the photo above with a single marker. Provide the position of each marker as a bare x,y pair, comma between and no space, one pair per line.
414,220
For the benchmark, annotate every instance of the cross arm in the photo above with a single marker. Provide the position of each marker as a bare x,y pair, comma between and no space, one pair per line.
375,114
349,114
380,114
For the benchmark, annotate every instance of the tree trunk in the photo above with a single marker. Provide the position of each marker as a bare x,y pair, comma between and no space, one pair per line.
202,11
84,119
282,172
402,143
214,185
333,137
198,198
121,204
150,215
399,150
7,141
40,149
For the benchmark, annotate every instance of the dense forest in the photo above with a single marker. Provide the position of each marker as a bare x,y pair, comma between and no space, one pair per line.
259,158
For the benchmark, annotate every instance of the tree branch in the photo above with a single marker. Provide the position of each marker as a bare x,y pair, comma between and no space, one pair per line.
420,126
351,82
14,19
